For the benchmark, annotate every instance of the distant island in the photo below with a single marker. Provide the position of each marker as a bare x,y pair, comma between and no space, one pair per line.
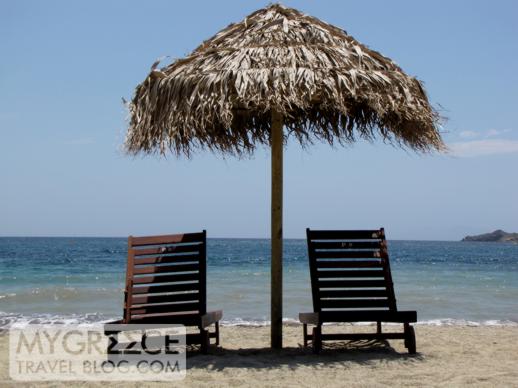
496,236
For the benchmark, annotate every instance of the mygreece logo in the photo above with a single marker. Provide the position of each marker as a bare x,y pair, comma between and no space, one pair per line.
116,352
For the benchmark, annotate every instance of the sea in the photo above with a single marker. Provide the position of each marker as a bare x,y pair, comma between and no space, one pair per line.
77,280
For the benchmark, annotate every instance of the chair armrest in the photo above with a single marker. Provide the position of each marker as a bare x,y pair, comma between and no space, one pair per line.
119,322
310,318
211,317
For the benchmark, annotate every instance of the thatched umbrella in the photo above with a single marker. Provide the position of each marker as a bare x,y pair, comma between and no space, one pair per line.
278,68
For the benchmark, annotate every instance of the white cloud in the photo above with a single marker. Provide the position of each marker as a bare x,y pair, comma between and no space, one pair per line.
483,147
468,134
496,132
482,134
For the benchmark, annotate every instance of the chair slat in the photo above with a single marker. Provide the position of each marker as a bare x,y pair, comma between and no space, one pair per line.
350,274
168,298
345,244
164,308
165,288
166,278
163,250
166,259
357,293
344,254
349,264
344,234
168,239
353,303
350,284
166,269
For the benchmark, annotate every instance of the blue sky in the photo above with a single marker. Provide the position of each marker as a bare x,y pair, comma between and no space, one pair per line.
64,67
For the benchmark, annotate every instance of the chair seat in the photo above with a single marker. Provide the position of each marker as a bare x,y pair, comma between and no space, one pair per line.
211,317
317,318
186,318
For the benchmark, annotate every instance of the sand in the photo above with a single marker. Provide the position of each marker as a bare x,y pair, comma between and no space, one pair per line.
449,356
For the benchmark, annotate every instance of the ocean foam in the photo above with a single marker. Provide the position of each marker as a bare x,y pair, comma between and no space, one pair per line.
430,322
465,322
8,320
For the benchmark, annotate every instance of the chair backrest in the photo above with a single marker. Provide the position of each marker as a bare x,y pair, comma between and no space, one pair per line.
350,270
166,274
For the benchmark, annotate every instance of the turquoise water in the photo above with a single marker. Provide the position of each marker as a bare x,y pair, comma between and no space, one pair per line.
81,279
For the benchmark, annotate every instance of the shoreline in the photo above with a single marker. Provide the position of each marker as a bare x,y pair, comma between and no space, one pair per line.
8,319
82,319
482,356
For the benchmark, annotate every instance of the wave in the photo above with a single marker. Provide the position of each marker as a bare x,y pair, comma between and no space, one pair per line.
64,294
430,322
465,322
7,320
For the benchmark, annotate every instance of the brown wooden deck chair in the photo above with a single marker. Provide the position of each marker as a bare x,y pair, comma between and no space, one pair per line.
166,283
351,282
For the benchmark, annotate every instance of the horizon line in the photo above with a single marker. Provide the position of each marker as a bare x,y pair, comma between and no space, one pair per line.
211,238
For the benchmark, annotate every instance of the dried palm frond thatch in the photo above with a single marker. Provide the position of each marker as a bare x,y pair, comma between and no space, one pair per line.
325,84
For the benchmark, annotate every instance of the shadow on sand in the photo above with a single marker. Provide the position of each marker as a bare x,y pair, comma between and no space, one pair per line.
356,352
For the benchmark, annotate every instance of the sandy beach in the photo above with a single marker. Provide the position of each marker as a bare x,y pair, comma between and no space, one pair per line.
449,356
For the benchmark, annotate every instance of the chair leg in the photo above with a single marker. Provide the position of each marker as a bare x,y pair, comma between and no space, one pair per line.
378,327
217,333
204,339
305,334
317,339
410,342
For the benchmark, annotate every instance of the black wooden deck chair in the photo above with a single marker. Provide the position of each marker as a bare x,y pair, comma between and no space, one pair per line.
166,283
351,282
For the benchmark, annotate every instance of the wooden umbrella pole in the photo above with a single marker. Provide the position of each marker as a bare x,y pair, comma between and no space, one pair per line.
276,286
